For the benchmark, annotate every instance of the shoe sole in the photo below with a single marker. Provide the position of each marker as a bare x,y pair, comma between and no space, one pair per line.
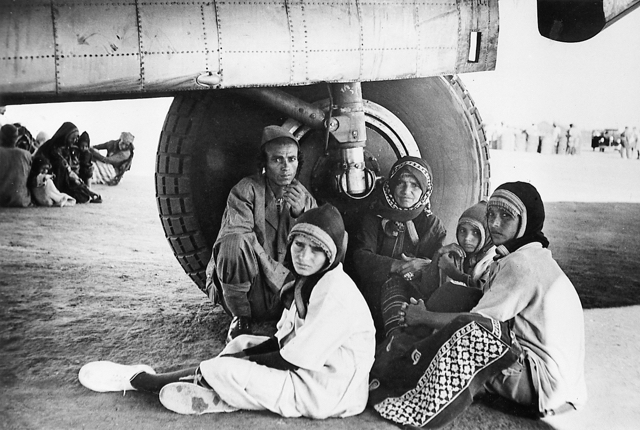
107,376
187,398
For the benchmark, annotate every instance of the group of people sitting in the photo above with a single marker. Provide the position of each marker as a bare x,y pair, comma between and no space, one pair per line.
61,171
416,328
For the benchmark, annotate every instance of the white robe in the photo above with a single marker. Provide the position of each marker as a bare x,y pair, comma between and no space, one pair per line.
333,348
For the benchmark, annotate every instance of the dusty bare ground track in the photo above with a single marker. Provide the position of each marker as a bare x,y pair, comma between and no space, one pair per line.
97,282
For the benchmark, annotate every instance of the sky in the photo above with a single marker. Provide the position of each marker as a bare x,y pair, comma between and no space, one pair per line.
593,84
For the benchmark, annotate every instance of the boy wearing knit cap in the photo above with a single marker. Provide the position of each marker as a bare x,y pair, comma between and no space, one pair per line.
522,345
467,262
464,269
316,365
246,270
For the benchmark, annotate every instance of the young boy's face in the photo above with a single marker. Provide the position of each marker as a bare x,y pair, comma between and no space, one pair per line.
502,225
307,257
468,237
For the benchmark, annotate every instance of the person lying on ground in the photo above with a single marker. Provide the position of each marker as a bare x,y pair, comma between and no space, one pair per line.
317,364
398,238
521,346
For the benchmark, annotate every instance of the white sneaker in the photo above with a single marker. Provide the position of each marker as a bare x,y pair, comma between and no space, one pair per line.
105,376
188,398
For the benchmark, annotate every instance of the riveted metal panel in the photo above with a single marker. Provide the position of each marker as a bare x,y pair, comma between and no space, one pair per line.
27,55
333,41
437,26
118,47
254,43
477,16
178,42
96,55
390,47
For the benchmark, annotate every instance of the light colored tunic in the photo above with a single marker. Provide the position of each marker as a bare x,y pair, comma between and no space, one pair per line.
530,287
333,348
45,193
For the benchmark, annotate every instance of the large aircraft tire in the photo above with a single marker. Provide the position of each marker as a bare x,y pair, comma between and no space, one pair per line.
210,141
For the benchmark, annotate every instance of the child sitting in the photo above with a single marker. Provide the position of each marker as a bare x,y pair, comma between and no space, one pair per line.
464,270
465,264
523,343
43,190
317,364
85,159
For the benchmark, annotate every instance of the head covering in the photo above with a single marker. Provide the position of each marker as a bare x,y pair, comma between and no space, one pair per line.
127,137
419,169
323,226
476,216
523,200
42,137
273,132
395,219
58,139
8,135
84,137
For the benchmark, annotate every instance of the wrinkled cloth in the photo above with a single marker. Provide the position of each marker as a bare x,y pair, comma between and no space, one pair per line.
109,170
15,165
60,155
528,287
45,193
332,347
251,217
371,264
429,382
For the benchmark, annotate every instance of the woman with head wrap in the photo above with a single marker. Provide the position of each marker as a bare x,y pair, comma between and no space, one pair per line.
59,151
316,365
397,240
521,346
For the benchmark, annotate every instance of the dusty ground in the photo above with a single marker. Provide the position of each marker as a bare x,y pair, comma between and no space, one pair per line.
96,282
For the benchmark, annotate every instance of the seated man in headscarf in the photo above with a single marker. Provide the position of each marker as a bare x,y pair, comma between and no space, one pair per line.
110,169
245,272
397,241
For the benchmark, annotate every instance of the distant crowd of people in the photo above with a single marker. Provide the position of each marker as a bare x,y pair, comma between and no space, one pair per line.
542,138
626,142
554,139
58,171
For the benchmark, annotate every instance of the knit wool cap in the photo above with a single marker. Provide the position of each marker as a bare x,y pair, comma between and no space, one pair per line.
476,216
507,200
323,226
522,197
273,132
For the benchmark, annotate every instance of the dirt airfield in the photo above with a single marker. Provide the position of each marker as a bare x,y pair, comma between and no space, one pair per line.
99,282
